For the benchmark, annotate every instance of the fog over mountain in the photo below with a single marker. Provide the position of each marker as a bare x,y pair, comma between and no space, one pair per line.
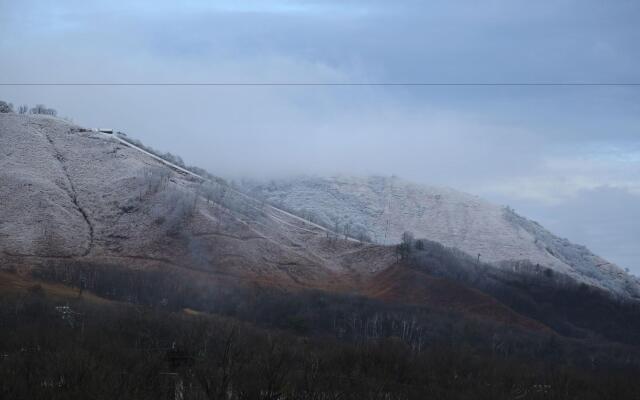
568,157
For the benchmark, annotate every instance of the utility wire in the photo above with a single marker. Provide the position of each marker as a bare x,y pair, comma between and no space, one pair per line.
468,84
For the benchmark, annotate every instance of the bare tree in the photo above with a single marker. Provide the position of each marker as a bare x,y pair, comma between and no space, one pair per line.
155,179
5,107
406,244
42,109
336,230
216,373
347,230
407,239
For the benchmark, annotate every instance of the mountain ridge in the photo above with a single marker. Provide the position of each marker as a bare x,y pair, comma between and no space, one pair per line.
79,206
85,209
383,208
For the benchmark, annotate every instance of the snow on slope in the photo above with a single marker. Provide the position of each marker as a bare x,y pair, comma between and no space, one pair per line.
66,193
384,208
70,195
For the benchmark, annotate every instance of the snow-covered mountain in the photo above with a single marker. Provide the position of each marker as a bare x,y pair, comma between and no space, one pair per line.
74,201
382,208
71,196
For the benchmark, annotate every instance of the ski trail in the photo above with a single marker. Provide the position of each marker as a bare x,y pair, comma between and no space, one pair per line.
251,199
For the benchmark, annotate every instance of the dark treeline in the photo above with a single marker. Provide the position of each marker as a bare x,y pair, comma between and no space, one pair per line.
261,343
570,308
346,317
115,351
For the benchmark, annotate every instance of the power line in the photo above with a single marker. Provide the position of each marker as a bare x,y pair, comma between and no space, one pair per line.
353,84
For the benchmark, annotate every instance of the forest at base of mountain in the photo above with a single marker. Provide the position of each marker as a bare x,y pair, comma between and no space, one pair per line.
145,335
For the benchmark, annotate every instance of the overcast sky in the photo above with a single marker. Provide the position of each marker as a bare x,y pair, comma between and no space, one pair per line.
568,157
